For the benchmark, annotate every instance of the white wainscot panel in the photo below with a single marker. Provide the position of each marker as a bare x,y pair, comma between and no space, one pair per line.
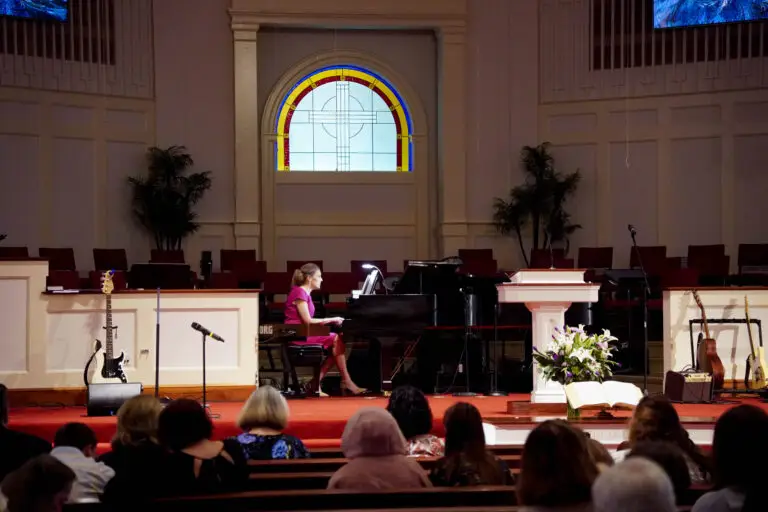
337,251
124,159
72,213
181,346
13,318
20,187
751,188
695,166
19,117
583,204
634,196
72,335
350,204
72,117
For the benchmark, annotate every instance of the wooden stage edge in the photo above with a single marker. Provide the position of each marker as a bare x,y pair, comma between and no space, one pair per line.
76,396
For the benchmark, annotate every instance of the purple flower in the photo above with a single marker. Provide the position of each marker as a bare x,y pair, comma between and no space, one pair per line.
554,356
568,375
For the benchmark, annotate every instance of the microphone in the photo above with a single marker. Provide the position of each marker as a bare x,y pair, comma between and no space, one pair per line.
631,229
551,252
196,326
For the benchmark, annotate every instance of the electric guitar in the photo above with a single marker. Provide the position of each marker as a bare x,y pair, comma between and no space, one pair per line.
756,367
109,369
708,360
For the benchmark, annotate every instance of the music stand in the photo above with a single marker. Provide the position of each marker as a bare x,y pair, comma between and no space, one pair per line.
628,278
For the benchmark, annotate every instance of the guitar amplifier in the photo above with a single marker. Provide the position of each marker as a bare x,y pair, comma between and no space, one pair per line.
688,387
104,399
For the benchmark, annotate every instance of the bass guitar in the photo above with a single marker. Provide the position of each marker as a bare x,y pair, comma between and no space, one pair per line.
756,367
107,368
708,360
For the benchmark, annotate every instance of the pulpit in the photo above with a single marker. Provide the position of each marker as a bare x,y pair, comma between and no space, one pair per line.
547,293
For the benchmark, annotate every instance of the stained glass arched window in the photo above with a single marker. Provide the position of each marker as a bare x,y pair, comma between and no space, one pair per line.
344,118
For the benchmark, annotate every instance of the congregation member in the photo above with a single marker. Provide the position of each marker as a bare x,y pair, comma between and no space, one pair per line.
600,454
262,420
299,309
378,455
205,466
739,451
411,410
635,485
41,484
75,446
137,457
556,470
655,419
467,462
670,458
16,447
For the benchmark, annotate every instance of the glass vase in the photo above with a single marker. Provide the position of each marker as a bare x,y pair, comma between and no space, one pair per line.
572,413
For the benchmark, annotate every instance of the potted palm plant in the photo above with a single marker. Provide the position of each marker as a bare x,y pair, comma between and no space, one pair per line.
163,200
538,203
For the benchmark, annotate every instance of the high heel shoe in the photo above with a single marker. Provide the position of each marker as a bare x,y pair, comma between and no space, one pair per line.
348,392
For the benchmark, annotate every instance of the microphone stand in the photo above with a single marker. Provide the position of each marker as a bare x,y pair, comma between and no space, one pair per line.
551,252
644,304
205,403
157,347
494,387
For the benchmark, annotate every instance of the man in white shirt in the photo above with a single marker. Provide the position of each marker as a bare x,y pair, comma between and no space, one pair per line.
75,446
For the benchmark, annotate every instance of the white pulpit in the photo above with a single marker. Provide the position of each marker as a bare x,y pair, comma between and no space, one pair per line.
547,293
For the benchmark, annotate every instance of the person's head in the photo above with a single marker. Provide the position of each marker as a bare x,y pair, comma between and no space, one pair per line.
308,274
4,406
556,468
410,409
670,458
137,420
463,429
655,419
41,484
739,447
635,485
265,408
183,423
599,454
372,432
77,435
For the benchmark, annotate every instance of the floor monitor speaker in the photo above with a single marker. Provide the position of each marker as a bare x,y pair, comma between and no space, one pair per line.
106,398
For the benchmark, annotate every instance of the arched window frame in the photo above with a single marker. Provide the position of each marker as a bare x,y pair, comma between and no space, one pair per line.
329,74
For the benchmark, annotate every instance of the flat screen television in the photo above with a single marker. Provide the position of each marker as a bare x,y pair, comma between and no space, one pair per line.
50,10
691,13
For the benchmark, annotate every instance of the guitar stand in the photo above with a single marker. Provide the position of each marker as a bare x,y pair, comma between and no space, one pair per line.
694,363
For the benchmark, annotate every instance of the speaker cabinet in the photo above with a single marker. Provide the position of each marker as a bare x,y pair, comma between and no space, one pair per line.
106,398
688,387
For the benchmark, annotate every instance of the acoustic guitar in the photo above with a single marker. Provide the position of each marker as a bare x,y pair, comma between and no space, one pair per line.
756,367
708,360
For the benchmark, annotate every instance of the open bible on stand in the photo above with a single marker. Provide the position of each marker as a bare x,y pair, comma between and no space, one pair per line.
605,395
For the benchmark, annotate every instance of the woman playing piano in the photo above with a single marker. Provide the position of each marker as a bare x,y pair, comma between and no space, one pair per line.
299,309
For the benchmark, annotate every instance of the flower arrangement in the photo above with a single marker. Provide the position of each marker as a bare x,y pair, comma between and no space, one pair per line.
575,356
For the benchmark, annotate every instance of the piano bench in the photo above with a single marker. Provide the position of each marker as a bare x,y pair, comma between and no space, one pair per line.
306,355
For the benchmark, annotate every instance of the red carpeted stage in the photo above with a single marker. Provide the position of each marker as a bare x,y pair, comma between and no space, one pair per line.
320,421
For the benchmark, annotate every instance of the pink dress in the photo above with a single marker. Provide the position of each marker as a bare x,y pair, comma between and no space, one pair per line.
292,317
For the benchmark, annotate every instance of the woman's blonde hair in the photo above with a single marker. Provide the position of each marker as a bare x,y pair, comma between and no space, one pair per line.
266,407
137,420
300,275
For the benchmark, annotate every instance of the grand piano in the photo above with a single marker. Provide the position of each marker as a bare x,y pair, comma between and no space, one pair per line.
431,301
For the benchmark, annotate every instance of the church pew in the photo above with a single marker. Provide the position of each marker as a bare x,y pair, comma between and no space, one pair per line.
452,497
333,464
